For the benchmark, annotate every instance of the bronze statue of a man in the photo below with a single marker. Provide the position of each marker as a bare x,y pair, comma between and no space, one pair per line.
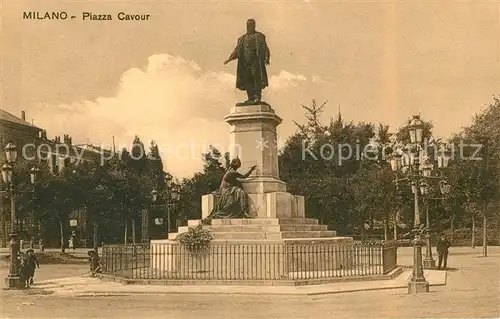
253,55
232,201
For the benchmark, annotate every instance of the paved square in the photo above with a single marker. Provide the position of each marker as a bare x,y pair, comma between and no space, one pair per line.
472,291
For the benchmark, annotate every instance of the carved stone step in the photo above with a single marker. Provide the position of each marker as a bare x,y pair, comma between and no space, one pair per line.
264,221
247,236
259,228
268,235
308,234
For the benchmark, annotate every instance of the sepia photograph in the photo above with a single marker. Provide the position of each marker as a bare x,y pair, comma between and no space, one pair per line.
249,159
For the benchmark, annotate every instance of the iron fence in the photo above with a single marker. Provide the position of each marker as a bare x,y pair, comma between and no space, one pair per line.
271,261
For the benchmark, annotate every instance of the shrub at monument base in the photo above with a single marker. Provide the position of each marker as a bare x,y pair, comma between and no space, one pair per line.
195,240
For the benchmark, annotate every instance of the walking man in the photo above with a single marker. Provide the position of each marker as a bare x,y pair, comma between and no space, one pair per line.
442,248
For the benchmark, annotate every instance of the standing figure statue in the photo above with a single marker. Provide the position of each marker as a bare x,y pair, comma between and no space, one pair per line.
253,55
232,201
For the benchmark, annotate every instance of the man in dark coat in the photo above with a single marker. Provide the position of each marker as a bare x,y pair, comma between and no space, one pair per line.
31,264
253,55
442,248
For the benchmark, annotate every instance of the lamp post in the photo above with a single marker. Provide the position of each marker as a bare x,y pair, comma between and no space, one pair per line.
12,280
444,188
411,161
429,261
174,197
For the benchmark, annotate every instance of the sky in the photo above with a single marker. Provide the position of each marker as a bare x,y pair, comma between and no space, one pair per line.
164,80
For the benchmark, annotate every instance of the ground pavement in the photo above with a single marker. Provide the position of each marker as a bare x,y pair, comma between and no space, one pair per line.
471,291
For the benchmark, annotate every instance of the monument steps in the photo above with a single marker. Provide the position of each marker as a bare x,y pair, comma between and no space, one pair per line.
268,235
260,228
266,228
308,234
258,221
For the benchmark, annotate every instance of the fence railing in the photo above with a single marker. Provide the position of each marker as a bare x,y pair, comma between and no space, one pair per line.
249,261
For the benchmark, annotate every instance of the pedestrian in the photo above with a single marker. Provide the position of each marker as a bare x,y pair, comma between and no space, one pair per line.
24,273
71,243
40,244
95,266
442,248
31,264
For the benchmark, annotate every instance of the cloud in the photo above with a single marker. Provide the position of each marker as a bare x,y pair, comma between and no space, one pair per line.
172,101
316,79
286,79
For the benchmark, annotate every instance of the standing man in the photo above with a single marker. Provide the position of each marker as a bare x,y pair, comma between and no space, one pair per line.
442,248
31,264
253,55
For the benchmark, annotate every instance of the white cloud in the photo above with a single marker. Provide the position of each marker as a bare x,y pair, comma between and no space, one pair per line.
286,79
316,79
171,100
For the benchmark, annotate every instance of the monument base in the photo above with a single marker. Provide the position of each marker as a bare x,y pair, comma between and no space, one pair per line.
277,204
257,249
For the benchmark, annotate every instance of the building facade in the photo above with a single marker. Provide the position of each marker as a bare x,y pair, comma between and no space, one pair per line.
33,145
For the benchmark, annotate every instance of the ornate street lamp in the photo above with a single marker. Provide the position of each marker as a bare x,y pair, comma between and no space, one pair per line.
7,173
424,188
443,158
444,187
154,195
411,161
34,174
175,196
175,193
10,153
12,279
416,130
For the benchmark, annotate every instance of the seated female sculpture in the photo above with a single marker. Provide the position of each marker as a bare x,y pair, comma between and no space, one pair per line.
232,201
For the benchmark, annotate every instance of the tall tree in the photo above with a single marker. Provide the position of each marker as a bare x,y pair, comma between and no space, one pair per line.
138,157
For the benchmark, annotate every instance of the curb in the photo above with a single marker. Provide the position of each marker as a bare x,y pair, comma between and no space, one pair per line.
260,293
205,289
305,293
255,283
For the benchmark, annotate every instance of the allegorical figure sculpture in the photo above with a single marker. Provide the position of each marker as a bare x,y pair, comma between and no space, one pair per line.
253,55
231,200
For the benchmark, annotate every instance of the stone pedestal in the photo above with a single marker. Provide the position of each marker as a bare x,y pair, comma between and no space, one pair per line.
253,139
